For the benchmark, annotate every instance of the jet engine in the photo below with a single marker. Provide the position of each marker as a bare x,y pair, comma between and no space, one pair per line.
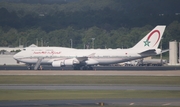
91,62
67,62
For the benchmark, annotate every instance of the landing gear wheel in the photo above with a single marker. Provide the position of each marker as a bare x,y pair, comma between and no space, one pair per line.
30,66
87,68
77,67
90,68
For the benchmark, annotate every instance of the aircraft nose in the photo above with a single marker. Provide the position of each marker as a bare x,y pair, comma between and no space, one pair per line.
16,56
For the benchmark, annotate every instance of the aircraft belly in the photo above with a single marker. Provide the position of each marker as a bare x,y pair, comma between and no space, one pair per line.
114,60
34,60
108,60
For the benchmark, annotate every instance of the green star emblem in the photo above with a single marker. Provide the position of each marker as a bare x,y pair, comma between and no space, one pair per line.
146,43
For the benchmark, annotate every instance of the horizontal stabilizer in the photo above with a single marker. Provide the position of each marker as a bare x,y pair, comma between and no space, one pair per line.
163,51
148,52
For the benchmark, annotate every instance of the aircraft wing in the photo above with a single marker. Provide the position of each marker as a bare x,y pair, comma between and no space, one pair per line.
85,58
82,59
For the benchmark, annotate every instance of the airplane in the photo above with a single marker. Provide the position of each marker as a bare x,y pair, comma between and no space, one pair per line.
84,59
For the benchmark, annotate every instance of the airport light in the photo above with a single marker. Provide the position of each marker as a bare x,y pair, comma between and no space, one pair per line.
161,50
19,42
41,42
71,43
27,43
37,42
93,42
47,44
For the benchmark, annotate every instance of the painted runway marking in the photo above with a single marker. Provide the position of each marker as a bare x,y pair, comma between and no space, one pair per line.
131,104
166,104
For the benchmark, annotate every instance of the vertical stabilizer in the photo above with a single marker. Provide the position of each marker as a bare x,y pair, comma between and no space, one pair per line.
152,39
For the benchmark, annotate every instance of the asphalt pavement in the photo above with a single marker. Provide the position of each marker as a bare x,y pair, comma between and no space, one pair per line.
89,87
133,68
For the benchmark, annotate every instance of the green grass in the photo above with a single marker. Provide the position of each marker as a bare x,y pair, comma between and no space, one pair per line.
157,80
16,95
80,94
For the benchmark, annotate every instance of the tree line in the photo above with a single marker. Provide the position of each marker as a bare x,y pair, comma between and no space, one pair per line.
119,38
113,23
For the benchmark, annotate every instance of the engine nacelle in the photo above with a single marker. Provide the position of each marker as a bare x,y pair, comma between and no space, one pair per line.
67,62
91,62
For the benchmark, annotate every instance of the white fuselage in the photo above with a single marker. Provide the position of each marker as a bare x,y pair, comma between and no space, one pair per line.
94,56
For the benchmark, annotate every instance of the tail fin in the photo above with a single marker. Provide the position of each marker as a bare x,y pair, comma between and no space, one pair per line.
152,39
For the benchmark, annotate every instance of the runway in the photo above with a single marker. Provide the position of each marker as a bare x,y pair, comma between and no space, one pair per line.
92,72
124,68
90,87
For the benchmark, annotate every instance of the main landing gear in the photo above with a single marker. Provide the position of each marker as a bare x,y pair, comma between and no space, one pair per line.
31,67
78,67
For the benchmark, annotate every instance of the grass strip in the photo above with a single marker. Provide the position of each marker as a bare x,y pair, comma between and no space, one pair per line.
166,80
10,95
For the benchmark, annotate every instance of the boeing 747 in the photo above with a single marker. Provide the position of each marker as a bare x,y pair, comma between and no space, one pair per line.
86,58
